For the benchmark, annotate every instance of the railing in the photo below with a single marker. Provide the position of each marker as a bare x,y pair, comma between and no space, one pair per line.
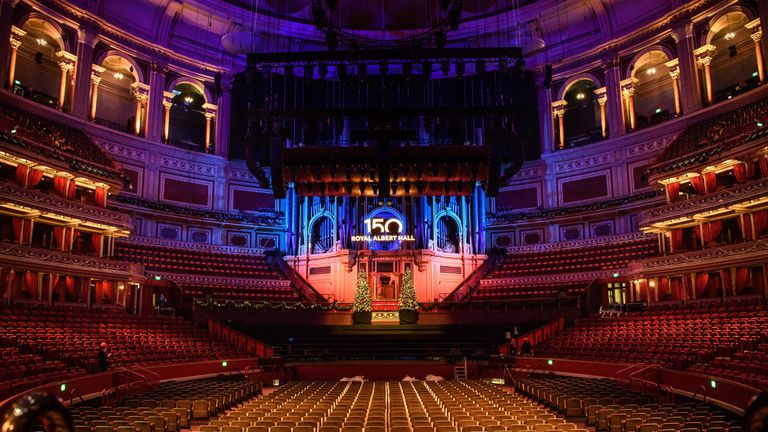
537,335
306,289
462,291
242,341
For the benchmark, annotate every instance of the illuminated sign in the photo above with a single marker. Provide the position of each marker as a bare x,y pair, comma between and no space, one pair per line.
383,230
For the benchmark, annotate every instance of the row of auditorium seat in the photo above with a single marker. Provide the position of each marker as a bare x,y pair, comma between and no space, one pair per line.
725,128
528,292
70,338
169,408
725,338
420,406
611,408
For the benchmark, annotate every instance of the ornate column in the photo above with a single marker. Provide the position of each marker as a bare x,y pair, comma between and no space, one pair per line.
167,102
155,131
15,43
96,72
674,73
67,63
614,112
602,98
558,111
703,57
546,128
223,116
757,36
141,93
86,41
628,98
6,23
690,90
210,115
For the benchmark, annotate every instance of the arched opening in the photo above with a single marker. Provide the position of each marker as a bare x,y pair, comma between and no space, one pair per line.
654,97
115,104
582,114
734,62
187,118
37,74
447,235
321,238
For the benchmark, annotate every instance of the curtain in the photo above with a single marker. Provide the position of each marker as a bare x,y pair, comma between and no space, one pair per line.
22,230
96,243
34,177
71,190
18,224
714,230
764,166
745,224
760,219
60,185
725,277
698,184
673,190
676,239
21,175
30,284
70,284
58,236
742,276
744,171
710,181
72,241
700,281
100,197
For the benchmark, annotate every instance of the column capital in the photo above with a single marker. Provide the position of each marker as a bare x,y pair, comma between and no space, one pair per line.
66,60
753,25
602,95
16,34
627,86
210,110
611,62
682,30
87,35
96,72
168,99
140,91
558,107
674,68
703,55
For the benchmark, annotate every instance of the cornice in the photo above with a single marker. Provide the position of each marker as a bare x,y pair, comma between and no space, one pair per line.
720,199
571,245
192,246
44,260
554,278
51,203
740,254
185,279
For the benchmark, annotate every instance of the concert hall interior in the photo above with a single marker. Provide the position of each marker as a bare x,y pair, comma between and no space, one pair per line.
383,215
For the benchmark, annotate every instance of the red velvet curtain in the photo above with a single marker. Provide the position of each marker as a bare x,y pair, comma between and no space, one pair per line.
744,171
34,177
710,180
21,174
70,284
742,276
714,230
745,223
760,219
100,197
22,230
764,166
30,283
673,190
60,185
96,241
58,236
701,283
71,191
698,184
676,239
725,277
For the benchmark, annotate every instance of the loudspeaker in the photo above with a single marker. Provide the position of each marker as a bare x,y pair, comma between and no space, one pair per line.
548,76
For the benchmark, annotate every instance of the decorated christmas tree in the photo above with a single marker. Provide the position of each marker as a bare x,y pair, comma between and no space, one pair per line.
363,296
408,293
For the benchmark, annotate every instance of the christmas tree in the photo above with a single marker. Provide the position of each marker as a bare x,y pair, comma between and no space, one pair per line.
363,296
408,293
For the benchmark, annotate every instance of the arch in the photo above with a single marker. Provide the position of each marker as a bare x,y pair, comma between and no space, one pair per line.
584,76
603,23
317,216
50,28
138,73
720,20
199,86
643,54
447,214
326,244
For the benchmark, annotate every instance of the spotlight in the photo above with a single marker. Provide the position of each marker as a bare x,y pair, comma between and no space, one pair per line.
426,68
461,67
728,36
407,70
445,67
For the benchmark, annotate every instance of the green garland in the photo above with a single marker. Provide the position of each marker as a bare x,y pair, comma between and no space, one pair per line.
272,305
362,301
408,293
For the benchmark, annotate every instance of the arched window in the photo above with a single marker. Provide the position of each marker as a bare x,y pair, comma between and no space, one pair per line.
447,234
116,104
322,235
582,114
37,74
734,63
187,117
654,97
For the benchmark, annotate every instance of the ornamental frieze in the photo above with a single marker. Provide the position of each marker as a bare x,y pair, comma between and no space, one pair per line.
548,279
32,258
212,281
193,246
729,255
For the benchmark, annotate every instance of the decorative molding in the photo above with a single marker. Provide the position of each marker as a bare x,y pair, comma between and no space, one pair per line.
44,260
525,172
218,281
740,254
737,194
203,247
123,151
649,146
592,242
555,278
589,161
53,204
240,175
187,166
